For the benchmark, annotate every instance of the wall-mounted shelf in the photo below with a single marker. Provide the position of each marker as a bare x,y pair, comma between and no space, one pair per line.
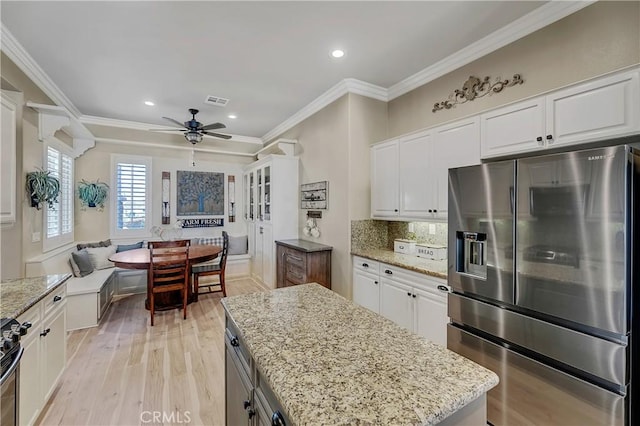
52,118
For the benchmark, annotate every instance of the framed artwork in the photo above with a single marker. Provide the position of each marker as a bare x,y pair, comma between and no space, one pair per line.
314,195
200,193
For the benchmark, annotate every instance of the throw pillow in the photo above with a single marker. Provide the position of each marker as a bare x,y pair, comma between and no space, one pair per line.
74,267
99,256
105,243
125,247
238,245
82,259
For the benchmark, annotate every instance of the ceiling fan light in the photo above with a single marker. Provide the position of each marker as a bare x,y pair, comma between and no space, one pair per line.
193,136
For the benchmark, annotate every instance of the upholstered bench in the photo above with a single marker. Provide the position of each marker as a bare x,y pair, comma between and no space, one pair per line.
238,260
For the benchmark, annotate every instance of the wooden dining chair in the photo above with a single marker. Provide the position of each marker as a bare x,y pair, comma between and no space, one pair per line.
168,271
208,269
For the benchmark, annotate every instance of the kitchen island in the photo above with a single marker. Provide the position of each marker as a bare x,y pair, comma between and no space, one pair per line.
308,356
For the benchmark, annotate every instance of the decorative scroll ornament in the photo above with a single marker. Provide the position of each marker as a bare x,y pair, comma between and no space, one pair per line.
475,88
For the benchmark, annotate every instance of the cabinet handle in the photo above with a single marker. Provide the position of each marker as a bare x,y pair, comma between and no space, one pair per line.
234,342
443,288
45,332
395,210
57,299
414,296
388,272
430,211
408,294
246,404
375,282
299,259
435,211
550,138
365,265
277,419
252,413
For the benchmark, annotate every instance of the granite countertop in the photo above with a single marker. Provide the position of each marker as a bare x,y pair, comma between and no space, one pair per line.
304,245
435,268
330,361
18,295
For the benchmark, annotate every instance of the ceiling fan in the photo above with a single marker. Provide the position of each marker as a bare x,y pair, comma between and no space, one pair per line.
194,130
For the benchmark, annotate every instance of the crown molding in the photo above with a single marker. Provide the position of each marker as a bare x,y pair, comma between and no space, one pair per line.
347,85
14,50
539,18
136,125
196,148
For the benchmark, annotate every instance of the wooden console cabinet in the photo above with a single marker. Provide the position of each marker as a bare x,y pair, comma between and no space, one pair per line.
301,261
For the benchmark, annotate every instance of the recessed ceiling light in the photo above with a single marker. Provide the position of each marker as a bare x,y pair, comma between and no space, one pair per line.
149,103
337,53
232,116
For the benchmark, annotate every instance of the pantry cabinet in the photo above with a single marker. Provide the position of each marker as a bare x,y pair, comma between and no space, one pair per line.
409,175
272,213
45,353
603,108
410,299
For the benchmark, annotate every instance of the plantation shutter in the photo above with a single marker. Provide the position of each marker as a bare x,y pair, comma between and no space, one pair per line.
131,181
53,213
59,217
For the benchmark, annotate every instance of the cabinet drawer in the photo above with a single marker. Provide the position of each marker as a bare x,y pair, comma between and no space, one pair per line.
55,299
237,343
294,258
33,315
366,265
295,274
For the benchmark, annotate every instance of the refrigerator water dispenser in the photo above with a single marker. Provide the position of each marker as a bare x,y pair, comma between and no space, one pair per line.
471,254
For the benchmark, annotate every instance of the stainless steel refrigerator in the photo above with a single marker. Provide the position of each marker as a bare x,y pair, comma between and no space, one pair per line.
542,265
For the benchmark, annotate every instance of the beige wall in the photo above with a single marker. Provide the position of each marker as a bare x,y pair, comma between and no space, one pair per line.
333,145
595,40
92,225
16,240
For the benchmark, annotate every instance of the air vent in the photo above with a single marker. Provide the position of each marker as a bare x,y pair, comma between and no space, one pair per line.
216,100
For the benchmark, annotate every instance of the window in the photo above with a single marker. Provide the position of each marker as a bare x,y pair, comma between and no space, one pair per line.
131,206
58,219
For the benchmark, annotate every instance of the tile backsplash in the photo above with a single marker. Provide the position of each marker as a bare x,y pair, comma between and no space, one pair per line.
369,233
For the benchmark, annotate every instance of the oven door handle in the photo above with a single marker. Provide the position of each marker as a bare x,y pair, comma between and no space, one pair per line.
12,367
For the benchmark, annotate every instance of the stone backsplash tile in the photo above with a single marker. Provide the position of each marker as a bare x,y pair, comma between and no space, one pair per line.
379,234
369,234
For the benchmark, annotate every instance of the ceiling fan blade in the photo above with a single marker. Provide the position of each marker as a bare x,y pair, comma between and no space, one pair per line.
166,130
174,121
217,135
213,126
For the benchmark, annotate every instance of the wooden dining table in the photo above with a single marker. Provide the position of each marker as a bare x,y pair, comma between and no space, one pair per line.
140,259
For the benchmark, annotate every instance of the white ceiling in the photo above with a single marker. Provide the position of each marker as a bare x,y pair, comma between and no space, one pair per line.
269,58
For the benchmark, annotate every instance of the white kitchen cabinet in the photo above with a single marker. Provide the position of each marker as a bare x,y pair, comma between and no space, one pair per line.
384,179
416,185
8,159
410,299
396,303
273,210
366,283
45,353
416,196
603,108
454,145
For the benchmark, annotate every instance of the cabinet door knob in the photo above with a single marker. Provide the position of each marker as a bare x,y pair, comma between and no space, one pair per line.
252,413
550,138
430,211
443,288
395,210
435,211
375,282
57,298
234,342
539,138
246,404
408,294
414,296
45,332
388,272
365,265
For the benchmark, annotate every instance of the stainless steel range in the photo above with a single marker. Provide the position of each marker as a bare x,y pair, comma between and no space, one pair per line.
10,355
542,255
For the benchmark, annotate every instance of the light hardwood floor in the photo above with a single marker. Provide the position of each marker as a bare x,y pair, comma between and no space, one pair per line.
125,372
